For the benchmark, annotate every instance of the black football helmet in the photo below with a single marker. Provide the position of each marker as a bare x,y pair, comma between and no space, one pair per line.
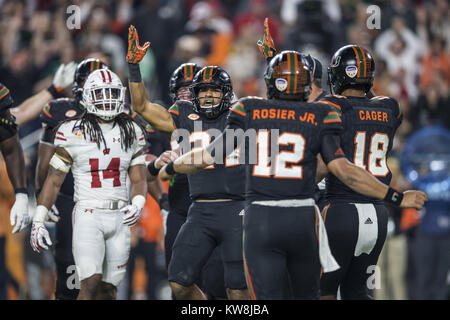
351,67
181,77
83,70
216,77
288,77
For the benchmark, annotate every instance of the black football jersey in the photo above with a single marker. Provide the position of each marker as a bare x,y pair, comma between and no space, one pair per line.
218,181
54,113
8,126
367,138
287,138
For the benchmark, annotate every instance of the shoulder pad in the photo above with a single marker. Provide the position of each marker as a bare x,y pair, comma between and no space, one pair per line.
335,101
391,103
60,110
6,100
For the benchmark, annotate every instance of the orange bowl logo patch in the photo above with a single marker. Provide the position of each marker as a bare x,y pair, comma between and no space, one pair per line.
193,116
71,113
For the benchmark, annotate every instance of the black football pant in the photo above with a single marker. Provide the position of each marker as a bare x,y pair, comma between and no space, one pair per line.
356,235
66,286
211,279
280,241
209,227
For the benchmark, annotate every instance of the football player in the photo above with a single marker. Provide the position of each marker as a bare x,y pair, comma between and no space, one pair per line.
55,112
211,281
281,212
101,147
356,223
15,164
214,217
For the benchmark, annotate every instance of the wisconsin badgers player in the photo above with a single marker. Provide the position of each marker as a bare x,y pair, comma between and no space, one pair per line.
101,147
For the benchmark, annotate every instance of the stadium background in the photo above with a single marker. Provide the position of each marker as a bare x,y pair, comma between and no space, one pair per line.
412,54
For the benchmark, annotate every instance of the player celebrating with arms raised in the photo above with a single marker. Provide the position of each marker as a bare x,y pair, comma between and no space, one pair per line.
101,147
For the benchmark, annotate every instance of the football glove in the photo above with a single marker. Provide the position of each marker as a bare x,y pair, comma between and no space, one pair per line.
53,214
135,52
19,213
64,75
164,209
266,45
132,212
40,238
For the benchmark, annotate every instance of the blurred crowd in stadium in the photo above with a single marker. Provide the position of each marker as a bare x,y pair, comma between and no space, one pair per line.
411,51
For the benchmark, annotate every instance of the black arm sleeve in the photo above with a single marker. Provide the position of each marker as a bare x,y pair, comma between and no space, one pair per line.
330,148
48,136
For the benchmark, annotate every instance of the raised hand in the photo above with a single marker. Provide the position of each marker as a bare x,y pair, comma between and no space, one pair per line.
266,45
135,52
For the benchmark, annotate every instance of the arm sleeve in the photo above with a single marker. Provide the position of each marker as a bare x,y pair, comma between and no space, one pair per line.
330,147
48,136
331,122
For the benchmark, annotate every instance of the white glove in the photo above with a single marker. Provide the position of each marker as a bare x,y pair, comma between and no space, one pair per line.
38,234
164,214
19,211
132,212
64,75
53,214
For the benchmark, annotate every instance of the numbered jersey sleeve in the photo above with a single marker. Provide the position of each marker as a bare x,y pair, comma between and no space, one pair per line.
6,100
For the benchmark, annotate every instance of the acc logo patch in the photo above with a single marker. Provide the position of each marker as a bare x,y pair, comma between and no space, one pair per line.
281,84
193,116
70,113
77,132
351,71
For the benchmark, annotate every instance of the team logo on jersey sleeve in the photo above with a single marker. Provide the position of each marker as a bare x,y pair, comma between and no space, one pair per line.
77,132
351,71
281,84
193,116
70,113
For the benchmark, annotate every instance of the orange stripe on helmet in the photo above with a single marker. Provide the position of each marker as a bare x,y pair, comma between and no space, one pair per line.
357,60
364,60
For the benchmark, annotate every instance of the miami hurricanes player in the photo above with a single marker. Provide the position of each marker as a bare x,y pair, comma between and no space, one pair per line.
214,218
282,223
102,148
15,164
357,224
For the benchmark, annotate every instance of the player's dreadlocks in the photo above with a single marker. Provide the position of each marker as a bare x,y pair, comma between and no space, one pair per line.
89,124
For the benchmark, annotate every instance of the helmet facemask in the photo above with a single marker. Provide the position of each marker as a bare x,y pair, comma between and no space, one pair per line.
105,100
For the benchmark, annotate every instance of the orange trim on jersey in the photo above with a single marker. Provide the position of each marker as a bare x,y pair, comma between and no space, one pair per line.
7,91
47,113
238,112
325,211
174,112
333,104
249,280
332,120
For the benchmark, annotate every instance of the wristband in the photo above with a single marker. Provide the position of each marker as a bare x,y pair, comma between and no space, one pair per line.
41,214
134,73
20,190
139,201
54,91
151,168
393,196
169,169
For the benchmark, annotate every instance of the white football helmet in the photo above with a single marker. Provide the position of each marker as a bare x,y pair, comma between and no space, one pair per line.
104,94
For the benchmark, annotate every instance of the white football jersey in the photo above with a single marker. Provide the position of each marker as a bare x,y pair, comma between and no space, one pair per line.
99,173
